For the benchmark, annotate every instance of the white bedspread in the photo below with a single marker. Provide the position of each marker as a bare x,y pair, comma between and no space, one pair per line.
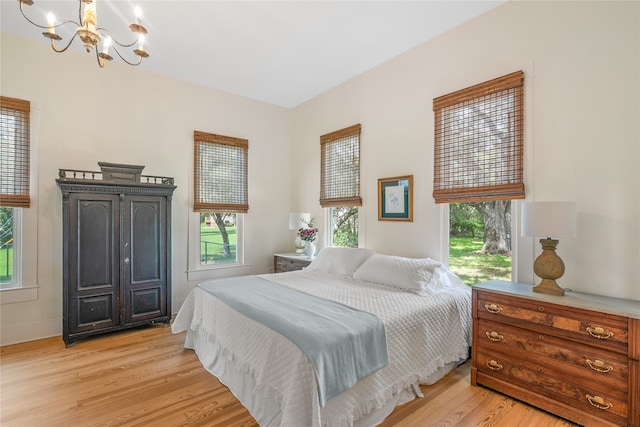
424,333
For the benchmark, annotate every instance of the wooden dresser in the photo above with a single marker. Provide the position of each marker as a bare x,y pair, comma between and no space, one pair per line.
576,356
289,262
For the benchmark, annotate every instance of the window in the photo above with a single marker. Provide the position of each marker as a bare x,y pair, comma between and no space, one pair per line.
480,240
14,186
220,197
343,223
340,184
478,167
218,238
10,247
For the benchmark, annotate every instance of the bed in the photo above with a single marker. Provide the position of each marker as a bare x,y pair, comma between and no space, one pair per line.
424,307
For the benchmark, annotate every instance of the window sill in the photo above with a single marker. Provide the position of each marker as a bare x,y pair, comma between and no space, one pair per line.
218,272
13,295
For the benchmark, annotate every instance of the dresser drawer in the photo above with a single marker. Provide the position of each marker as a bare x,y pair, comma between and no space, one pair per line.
282,264
547,351
595,399
604,331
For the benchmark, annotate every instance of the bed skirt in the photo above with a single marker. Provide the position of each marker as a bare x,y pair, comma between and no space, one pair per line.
265,406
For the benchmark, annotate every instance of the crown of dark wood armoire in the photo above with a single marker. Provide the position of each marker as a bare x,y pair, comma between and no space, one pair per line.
116,245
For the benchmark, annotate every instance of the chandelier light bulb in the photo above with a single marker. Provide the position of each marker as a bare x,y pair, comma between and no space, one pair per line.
138,13
105,45
50,23
141,39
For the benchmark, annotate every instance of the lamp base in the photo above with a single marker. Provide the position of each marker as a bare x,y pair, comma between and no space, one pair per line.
549,267
299,244
550,287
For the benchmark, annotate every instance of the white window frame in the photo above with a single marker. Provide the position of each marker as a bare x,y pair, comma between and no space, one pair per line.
16,280
24,286
330,227
329,222
197,271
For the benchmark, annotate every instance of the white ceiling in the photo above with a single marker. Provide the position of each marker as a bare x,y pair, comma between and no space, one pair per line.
280,52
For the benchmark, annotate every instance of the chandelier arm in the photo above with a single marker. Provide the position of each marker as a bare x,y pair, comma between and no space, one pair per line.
66,47
80,12
113,39
45,26
100,63
125,60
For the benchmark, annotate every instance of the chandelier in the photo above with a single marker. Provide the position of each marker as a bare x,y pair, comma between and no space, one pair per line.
91,35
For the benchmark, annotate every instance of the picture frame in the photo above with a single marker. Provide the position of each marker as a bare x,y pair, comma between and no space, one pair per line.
395,198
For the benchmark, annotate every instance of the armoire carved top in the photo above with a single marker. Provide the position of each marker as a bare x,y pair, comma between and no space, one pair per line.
116,176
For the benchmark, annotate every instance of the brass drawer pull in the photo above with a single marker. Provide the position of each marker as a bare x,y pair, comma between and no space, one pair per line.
494,336
599,366
492,308
493,365
598,402
599,333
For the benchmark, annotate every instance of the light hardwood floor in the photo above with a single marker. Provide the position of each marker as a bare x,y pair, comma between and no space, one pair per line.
145,377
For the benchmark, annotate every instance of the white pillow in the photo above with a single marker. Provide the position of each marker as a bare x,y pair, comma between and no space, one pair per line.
339,260
419,275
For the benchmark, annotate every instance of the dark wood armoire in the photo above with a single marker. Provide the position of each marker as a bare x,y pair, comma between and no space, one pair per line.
116,245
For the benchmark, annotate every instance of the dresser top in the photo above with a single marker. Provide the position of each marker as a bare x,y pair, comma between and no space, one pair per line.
303,257
618,306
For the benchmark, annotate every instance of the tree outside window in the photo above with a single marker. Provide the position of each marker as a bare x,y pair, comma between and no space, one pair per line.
480,240
218,234
344,226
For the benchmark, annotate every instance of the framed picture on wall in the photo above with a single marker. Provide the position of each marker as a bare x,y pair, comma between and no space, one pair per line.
395,198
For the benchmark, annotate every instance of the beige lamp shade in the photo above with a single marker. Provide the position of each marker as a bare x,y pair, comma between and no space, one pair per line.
549,219
295,220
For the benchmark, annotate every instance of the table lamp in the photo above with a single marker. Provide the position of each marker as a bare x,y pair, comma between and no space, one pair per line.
296,222
553,220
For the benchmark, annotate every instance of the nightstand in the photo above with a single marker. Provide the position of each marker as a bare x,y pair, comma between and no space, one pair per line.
289,262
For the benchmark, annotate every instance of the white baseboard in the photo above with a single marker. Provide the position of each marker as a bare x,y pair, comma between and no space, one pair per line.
23,332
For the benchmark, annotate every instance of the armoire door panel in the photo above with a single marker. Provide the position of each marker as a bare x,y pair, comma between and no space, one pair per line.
146,302
94,279
145,273
146,244
95,243
95,311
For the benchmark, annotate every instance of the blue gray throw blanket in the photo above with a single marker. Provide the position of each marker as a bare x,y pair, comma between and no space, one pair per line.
344,344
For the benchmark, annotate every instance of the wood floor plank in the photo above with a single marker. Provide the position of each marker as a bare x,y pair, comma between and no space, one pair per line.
145,377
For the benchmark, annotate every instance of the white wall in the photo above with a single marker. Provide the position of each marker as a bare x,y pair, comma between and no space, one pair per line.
83,114
582,131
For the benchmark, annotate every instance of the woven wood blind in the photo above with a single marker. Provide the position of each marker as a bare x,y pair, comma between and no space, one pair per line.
14,152
478,152
220,173
340,168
